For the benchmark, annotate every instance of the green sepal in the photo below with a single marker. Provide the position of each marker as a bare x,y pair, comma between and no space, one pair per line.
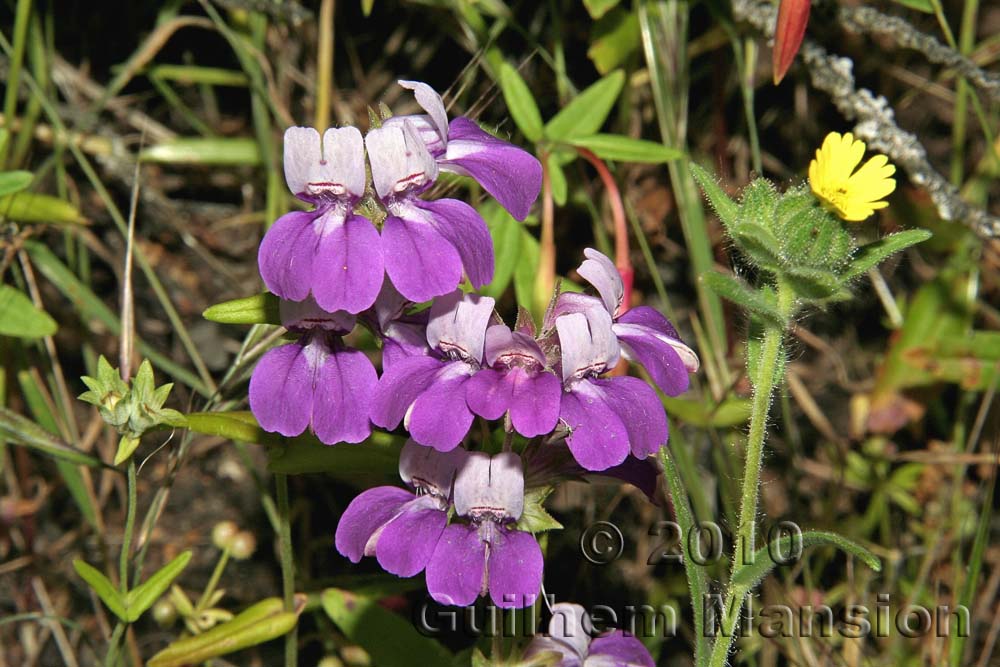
725,208
257,309
534,518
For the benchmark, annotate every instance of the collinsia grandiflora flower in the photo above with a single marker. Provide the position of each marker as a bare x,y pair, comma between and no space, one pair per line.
402,529
488,554
317,382
330,253
570,639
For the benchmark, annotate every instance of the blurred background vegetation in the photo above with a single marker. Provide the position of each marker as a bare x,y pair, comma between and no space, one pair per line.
166,118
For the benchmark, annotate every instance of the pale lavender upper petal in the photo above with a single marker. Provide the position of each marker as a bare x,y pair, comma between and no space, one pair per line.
535,400
514,568
455,571
426,130
420,261
467,232
617,649
640,411
306,314
342,397
440,417
399,387
570,302
401,340
507,347
597,438
588,344
285,258
407,542
281,390
431,102
513,176
601,272
571,624
400,161
490,486
542,644
363,518
348,266
458,323
488,393
428,469
334,169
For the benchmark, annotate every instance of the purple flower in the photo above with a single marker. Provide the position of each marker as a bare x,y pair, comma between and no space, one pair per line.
510,174
515,379
427,244
605,417
402,529
487,555
402,335
646,336
329,252
569,637
429,391
316,382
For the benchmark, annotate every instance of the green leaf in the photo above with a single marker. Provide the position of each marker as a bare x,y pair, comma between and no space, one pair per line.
811,283
586,113
598,8
22,431
29,207
763,562
126,448
871,255
534,517
142,597
196,74
731,412
725,208
625,149
262,622
367,624
526,272
103,587
506,234
232,151
742,295
520,103
14,181
557,181
20,318
366,7
616,38
758,244
925,6
260,308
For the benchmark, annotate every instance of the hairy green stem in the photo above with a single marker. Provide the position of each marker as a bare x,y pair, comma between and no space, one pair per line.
762,377
129,527
287,564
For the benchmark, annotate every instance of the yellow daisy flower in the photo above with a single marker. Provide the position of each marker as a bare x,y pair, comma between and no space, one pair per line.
853,195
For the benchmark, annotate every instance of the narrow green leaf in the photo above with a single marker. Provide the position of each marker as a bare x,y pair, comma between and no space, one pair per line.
506,234
520,103
586,113
29,207
196,74
526,272
262,622
210,151
366,7
257,309
20,318
731,412
625,149
557,181
742,295
868,256
142,597
763,562
598,8
22,431
126,448
615,39
14,181
811,283
367,624
725,208
109,595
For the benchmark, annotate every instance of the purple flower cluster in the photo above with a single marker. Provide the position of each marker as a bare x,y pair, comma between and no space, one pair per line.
461,520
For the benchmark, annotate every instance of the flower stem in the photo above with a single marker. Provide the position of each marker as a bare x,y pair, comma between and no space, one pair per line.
763,380
287,564
111,659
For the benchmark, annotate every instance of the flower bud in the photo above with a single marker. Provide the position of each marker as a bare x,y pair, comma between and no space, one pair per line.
223,534
243,545
164,613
